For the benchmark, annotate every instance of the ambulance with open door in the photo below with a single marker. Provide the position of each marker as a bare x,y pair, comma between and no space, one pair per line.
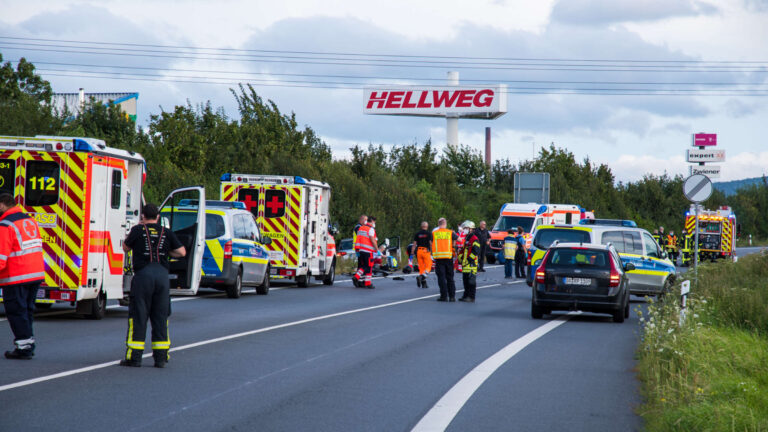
85,197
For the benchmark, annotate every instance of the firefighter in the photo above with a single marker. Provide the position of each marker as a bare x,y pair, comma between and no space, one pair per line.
656,236
672,246
422,244
150,245
470,259
365,246
21,271
510,250
686,248
443,251
520,254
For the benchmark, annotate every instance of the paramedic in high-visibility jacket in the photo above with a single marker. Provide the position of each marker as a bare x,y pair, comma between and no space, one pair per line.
151,245
21,271
365,246
510,250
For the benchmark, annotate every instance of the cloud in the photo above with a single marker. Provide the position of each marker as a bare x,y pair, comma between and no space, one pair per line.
605,12
740,166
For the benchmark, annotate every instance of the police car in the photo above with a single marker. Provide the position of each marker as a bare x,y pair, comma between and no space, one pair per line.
653,274
235,253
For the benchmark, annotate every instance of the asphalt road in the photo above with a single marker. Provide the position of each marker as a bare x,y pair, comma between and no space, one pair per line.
333,359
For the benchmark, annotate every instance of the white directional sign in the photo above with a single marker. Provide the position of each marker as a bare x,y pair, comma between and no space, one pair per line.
711,171
708,155
697,188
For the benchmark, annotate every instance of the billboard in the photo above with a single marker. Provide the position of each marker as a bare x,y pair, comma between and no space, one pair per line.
531,187
481,102
704,139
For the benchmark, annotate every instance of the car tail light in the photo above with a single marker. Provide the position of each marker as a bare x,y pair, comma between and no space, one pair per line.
228,250
615,276
541,272
530,255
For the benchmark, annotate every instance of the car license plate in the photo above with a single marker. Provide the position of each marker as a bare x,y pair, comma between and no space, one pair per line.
577,281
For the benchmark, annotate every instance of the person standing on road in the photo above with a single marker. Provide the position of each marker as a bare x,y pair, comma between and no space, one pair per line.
443,250
510,250
22,269
365,246
150,245
484,237
520,254
422,244
470,256
656,236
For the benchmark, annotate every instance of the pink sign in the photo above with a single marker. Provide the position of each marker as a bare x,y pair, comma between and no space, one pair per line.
704,139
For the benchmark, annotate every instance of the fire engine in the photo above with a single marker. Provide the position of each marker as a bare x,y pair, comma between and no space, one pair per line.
717,234
295,213
529,216
85,197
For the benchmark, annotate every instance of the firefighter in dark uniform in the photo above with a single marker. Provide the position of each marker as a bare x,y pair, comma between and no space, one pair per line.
469,256
151,245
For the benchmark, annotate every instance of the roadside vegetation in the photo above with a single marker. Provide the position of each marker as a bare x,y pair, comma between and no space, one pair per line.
402,186
709,373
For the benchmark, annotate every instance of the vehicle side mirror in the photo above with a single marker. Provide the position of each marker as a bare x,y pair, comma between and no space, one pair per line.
537,263
629,267
266,241
663,255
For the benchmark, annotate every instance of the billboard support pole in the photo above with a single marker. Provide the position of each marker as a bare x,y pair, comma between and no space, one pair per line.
452,122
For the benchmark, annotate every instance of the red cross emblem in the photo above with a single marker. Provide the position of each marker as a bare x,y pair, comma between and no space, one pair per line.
274,205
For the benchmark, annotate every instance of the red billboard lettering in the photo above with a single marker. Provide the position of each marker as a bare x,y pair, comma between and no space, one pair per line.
377,99
407,101
444,98
394,99
423,100
480,101
465,98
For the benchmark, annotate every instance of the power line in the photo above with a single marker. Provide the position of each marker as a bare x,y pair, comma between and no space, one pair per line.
363,77
379,55
341,62
341,86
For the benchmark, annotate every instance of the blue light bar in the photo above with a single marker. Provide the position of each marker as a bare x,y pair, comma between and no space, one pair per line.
542,209
299,180
226,177
82,145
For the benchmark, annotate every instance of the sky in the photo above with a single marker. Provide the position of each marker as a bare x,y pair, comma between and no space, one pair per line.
635,134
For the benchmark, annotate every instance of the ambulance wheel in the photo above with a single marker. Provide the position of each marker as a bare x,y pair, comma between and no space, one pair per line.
303,281
98,307
331,276
263,289
234,290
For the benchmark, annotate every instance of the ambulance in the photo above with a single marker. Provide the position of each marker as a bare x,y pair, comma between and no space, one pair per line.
529,216
717,234
85,197
294,213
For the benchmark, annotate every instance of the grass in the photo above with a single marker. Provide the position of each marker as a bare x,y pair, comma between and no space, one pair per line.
744,242
710,372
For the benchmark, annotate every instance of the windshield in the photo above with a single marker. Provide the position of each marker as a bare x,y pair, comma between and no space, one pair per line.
596,259
545,237
506,223
346,244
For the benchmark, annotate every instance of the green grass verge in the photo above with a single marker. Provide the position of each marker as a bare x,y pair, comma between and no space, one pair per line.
710,372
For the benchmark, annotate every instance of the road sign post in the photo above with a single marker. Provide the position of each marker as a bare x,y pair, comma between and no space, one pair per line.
697,188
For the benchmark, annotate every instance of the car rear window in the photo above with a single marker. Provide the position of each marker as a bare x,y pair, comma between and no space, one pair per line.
214,224
592,258
545,237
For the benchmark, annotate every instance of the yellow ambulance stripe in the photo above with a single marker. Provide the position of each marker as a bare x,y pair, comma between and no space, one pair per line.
293,220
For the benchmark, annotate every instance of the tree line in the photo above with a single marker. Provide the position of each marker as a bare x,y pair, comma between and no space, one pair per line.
401,186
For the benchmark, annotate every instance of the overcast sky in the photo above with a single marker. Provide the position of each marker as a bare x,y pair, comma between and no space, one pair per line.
633,134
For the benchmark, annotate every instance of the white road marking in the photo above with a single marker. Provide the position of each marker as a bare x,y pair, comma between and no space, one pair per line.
221,339
444,411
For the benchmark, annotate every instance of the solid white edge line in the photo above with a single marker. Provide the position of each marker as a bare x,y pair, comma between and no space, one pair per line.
440,416
220,339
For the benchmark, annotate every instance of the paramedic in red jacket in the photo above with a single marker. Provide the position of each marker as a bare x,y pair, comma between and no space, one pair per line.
21,271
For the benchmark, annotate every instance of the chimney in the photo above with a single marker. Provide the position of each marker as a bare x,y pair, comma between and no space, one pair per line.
488,146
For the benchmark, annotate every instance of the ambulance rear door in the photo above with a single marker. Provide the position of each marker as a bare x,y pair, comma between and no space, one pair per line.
115,172
189,227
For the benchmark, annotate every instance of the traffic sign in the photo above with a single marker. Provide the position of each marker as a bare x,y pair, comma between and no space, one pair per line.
711,171
704,139
706,155
697,188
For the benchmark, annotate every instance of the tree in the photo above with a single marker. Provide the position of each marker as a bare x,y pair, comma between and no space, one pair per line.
25,101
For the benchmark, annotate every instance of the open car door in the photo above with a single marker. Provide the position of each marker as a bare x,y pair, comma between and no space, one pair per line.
183,212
